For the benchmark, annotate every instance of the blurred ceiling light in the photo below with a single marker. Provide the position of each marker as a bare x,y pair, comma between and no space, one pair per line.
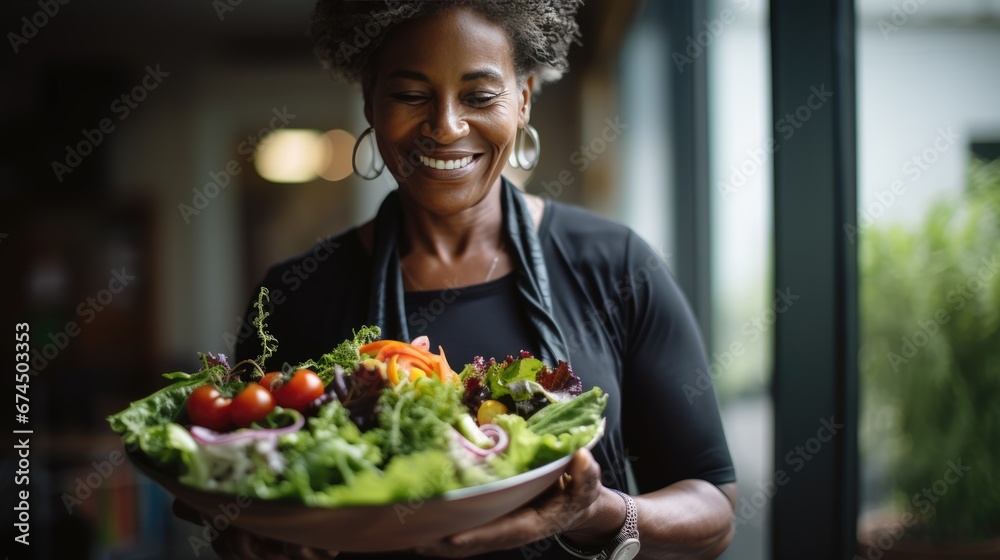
290,156
338,148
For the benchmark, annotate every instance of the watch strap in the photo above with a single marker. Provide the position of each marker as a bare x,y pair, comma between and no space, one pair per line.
588,554
628,535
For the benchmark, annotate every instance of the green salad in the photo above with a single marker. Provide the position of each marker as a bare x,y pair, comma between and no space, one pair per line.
372,422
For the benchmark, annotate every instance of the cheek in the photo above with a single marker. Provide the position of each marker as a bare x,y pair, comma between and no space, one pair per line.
499,127
395,130
394,122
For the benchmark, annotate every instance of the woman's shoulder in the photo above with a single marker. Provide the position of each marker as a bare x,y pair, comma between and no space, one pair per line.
567,219
584,234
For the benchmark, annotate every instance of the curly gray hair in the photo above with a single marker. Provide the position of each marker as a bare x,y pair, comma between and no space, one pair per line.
348,32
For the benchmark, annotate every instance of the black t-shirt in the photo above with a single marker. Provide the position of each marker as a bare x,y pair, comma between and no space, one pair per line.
500,328
627,325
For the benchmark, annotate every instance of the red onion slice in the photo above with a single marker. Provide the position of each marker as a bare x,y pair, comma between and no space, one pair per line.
422,343
211,437
498,435
492,431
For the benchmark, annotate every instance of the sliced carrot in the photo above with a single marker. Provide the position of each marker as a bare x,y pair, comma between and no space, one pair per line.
403,358
407,363
396,347
372,348
444,370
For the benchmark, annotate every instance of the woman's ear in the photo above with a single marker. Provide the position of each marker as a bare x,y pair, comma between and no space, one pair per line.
524,115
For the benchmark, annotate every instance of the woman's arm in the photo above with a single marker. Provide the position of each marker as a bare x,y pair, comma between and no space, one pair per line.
666,383
688,519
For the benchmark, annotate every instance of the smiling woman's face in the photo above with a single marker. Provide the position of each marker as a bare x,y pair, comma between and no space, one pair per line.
446,106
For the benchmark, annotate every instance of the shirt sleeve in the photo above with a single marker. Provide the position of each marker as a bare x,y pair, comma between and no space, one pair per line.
670,415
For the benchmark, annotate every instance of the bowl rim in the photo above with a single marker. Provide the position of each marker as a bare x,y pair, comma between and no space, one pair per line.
171,483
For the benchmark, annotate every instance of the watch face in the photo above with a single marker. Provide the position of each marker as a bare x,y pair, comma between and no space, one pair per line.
626,551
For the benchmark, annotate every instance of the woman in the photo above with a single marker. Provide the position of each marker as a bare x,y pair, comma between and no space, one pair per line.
447,91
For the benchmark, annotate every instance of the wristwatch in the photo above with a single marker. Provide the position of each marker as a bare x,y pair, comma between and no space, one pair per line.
623,546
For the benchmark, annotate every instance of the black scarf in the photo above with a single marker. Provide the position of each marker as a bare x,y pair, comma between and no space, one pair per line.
387,309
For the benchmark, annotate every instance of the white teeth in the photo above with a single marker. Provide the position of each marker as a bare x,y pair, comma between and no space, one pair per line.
446,164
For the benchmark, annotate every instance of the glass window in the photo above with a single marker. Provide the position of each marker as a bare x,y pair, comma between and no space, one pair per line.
928,124
742,293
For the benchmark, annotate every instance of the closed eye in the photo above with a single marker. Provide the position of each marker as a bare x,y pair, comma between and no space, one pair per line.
409,97
481,98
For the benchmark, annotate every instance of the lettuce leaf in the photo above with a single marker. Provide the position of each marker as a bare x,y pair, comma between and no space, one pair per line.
566,427
407,480
136,424
565,416
524,383
501,376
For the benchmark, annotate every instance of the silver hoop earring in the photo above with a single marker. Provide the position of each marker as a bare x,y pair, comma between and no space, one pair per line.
374,169
519,157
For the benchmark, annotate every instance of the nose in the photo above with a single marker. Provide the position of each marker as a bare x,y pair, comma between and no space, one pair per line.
446,124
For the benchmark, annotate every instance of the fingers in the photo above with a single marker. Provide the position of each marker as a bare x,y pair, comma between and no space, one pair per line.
584,485
557,510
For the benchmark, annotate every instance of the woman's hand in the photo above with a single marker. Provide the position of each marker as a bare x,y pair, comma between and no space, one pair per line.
237,544
566,505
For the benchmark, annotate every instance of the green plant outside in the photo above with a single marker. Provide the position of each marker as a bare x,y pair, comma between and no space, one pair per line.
930,361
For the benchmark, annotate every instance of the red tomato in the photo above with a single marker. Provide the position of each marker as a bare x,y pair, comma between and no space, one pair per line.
206,407
269,379
303,388
253,404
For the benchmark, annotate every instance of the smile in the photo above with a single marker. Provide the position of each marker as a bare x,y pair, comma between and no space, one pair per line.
446,163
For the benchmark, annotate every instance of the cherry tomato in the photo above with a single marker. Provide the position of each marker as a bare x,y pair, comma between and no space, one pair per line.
270,378
303,388
206,407
489,410
253,404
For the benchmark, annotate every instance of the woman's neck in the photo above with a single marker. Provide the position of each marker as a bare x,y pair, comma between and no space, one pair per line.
454,238
462,249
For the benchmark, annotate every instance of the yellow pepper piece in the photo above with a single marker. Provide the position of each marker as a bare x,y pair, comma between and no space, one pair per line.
392,371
